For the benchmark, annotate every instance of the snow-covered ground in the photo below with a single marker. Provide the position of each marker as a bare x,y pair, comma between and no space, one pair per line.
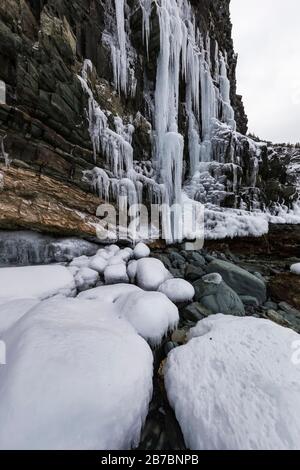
234,385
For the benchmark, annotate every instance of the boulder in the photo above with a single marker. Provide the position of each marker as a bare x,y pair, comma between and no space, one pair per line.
240,280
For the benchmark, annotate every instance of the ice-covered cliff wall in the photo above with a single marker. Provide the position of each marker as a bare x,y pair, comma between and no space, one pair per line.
125,97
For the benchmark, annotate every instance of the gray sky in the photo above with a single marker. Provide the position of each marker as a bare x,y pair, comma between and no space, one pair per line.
267,39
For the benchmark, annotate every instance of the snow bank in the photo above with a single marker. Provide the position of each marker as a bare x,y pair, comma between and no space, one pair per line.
151,273
152,314
295,269
12,310
77,377
177,290
116,274
234,386
39,282
109,293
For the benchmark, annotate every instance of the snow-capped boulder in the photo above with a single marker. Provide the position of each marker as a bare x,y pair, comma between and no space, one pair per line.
131,270
295,269
214,296
141,251
86,278
177,290
109,293
116,274
97,263
112,249
240,280
152,314
77,377
235,386
80,262
38,282
151,273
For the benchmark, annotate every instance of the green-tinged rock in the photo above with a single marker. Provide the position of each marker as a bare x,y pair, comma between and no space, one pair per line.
240,280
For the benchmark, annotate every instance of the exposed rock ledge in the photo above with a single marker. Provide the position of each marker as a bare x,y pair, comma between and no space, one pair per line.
39,202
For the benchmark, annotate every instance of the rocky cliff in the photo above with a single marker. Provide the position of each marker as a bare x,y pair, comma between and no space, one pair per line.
84,85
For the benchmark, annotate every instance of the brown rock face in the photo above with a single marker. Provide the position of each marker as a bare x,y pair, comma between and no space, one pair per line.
38,202
286,287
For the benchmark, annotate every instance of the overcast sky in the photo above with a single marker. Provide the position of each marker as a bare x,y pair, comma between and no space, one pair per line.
267,39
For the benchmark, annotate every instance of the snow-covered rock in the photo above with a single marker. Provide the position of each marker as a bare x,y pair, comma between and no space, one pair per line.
114,260
177,290
105,254
151,273
109,293
116,274
80,262
295,269
131,270
77,377
97,263
38,282
112,249
152,314
86,278
234,385
141,251
12,310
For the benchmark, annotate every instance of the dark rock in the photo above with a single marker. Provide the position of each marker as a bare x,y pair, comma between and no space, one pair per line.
285,287
193,273
194,312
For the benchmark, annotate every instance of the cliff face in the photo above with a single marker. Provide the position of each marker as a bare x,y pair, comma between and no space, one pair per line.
56,54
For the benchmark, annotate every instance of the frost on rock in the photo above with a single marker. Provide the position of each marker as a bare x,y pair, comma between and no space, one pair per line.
177,290
37,282
77,377
226,395
151,273
295,269
97,263
152,314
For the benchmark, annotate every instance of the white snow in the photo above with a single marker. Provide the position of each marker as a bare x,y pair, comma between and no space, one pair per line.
80,262
109,293
39,282
214,278
86,278
97,263
77,377
116,274
177,290
151,273
152,314
234,385
141,251
295,268
12,310
131,270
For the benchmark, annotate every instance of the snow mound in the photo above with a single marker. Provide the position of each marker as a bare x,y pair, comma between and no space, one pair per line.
12,310
86,278
116,274
38,282
141,251
177,290
295,269
97,263
109,293
131,270
152,314
225,393
80,262
77,377
151,273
